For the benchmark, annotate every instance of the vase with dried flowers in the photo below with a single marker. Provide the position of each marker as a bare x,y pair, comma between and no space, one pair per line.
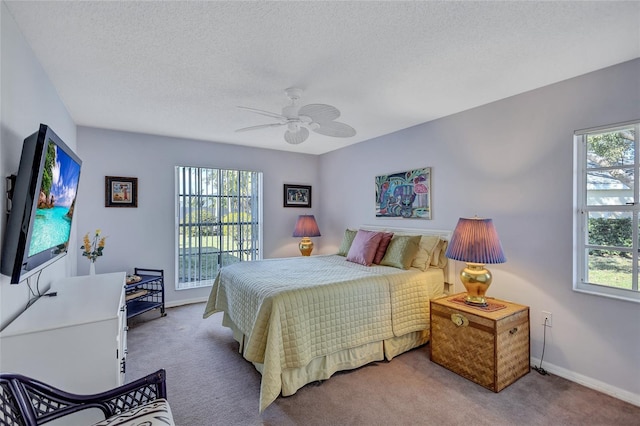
93,249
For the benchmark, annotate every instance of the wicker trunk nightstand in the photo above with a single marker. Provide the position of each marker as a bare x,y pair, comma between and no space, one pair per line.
489,346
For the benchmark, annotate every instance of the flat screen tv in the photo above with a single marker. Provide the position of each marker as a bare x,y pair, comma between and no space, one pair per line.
42,202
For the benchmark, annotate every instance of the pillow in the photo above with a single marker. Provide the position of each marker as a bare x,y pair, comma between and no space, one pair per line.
426,247
439,259
349,235
382,248
364,247
401,251
435,257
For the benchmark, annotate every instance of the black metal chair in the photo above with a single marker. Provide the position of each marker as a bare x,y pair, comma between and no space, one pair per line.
28,402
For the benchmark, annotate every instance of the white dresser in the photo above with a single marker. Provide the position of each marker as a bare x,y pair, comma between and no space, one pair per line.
76,340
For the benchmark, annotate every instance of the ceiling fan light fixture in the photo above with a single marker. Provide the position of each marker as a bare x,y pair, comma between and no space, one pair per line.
297,137
318,117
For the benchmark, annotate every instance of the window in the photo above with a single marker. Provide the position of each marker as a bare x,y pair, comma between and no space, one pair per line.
219,222
606,217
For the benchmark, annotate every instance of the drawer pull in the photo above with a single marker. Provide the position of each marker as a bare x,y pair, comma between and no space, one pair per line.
459,320
514,330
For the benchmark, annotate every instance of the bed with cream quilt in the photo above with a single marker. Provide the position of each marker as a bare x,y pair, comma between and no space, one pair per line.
301,319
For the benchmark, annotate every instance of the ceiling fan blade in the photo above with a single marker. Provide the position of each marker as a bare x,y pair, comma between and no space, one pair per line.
320,113
267,113
296,137
260,126
335,129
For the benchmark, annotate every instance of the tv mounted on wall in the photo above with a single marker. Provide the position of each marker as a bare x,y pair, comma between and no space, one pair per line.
42,202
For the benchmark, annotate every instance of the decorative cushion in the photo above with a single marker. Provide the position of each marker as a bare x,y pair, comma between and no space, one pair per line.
154,413
401,251
364,247
426,248
439,258
382,248
347,240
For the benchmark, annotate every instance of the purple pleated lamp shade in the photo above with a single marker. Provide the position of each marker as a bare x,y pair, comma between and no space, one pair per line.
475,241
306,226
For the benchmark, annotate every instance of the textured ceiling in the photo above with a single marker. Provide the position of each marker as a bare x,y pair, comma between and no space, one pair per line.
182,68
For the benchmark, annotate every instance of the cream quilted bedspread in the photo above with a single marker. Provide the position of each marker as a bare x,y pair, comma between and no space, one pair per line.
293,310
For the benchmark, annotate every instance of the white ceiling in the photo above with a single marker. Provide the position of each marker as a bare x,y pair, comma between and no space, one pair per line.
182,68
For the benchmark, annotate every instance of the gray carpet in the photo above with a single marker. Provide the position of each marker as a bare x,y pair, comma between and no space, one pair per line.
209,383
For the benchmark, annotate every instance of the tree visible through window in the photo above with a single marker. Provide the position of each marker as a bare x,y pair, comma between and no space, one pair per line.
218,216
608,203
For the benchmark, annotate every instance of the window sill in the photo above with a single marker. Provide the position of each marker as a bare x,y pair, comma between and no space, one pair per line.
609,292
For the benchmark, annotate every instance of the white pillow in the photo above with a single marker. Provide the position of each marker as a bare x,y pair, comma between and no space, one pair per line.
427,246
439,260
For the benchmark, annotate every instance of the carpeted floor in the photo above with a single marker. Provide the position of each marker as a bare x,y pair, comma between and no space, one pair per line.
209,383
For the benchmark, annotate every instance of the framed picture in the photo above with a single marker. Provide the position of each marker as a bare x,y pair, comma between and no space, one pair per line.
120,191
405,195
297,196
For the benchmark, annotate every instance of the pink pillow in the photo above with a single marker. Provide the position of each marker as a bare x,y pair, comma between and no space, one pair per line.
382,248
364,247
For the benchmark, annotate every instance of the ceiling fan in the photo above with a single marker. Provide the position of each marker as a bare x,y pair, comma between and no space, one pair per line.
317,117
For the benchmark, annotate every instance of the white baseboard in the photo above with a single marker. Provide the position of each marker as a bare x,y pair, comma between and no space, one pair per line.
182,302
630,397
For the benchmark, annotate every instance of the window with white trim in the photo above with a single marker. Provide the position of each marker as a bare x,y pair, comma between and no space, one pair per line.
608,205
218,222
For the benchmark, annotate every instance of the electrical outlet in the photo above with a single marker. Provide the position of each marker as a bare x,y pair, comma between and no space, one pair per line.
546,318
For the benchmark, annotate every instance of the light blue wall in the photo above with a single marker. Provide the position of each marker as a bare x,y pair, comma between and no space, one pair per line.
144,236
27,99
512,161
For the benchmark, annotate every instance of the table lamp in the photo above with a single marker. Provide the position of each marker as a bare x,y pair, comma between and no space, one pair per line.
475,241
306,227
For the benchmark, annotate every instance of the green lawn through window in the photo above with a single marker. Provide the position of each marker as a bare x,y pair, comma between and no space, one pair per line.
612,271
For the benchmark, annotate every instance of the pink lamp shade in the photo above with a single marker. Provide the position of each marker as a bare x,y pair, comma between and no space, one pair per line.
475,241
306,226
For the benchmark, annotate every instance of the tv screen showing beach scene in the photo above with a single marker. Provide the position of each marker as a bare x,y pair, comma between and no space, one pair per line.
56,201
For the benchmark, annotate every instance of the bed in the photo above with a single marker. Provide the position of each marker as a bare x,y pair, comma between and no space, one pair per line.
300,320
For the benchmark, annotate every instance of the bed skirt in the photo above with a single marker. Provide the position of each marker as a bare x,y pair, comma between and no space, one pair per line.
322,368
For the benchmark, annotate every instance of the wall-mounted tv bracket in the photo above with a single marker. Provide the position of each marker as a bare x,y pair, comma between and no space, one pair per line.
11,183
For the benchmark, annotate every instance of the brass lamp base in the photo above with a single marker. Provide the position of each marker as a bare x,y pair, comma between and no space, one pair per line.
306,246
476,279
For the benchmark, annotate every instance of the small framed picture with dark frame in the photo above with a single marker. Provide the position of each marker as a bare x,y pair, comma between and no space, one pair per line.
297,195
120,191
